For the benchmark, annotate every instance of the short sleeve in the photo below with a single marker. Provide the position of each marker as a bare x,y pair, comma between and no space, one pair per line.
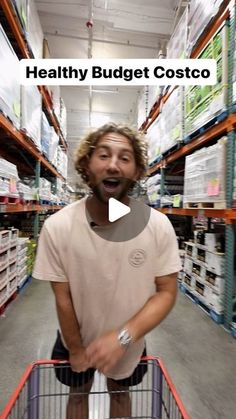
168,260
48,265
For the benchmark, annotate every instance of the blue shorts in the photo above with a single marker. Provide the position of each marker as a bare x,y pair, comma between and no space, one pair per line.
74,379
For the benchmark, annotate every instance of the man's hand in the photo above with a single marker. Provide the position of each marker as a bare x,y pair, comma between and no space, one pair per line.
79,361
103,353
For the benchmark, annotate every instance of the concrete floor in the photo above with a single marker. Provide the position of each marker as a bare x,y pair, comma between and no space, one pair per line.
199,355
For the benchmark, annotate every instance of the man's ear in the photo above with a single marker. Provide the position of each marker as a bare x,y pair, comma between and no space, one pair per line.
137,174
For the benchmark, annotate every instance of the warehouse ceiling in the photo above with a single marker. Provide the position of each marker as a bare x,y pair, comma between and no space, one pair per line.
121,29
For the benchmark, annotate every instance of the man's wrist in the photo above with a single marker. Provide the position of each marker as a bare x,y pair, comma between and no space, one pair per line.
124,338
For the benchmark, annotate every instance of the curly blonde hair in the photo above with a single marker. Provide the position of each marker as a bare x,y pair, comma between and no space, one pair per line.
89,142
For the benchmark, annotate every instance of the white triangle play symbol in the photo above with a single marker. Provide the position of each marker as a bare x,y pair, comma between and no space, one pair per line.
116,210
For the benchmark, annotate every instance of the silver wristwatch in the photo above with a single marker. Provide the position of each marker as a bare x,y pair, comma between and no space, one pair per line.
124,338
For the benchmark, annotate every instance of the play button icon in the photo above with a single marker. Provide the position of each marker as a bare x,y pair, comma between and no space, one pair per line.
124,222
116,210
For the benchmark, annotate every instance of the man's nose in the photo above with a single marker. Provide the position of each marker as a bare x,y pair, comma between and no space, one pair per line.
113,164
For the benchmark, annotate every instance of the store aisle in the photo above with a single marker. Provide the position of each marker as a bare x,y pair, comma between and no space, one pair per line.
200,355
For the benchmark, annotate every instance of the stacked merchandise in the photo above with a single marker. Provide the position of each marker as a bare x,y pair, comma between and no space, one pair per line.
29,18
9,81
55,93
44,190
8,264
31,254
154,190
143,106
61,162
153,94
154,136
26,193
46,134
173,192
177,44
22,258
59,190
8,181
31,113
199,16
172,122
204,266
59,108
205,176
49,140
203,103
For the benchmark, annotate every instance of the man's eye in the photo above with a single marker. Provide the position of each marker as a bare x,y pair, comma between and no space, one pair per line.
125,158
103,156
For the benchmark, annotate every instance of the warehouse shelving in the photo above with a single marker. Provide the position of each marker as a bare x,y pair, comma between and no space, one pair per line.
20,139
225,127
23,52
17,208
17,147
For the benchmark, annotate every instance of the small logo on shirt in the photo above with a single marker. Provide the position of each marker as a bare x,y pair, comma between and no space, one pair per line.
137,257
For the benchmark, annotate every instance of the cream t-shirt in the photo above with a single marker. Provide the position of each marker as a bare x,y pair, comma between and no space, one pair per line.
109,281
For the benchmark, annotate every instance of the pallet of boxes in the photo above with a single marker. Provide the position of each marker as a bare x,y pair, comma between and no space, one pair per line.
8,266
203,272
205,177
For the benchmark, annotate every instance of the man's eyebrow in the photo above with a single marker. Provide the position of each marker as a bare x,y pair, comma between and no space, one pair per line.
107,147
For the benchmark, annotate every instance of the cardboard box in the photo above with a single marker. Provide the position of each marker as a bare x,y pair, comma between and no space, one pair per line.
217,283
215,263
188,266
214,242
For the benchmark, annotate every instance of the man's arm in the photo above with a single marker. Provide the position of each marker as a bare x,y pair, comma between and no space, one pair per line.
69,326
155,309
106,351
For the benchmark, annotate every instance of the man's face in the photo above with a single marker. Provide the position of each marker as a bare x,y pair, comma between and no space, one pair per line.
112,168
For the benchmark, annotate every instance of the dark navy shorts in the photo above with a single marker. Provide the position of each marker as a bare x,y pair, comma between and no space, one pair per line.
74,379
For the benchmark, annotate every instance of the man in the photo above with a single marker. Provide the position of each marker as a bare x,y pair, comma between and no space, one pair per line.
110,289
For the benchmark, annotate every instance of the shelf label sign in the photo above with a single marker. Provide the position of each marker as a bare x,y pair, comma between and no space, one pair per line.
118,72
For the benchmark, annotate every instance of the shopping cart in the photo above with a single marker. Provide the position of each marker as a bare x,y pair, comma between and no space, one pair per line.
40,395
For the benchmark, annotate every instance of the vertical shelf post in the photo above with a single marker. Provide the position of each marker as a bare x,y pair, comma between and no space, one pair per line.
229,274
162,191
36,217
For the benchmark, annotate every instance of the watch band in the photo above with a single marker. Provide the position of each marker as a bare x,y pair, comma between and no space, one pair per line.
124,338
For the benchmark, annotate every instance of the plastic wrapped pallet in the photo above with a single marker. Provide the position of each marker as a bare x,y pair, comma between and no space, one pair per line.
34,33
26,192
172,121
31,113
46,134
53,147
200,14
142,106
153,190
203,103
9,81
55,96
44,189
154,93
8,179
154,136
177,44
205,175
62,162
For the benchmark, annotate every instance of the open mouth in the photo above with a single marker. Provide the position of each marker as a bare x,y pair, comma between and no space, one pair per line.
111,184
